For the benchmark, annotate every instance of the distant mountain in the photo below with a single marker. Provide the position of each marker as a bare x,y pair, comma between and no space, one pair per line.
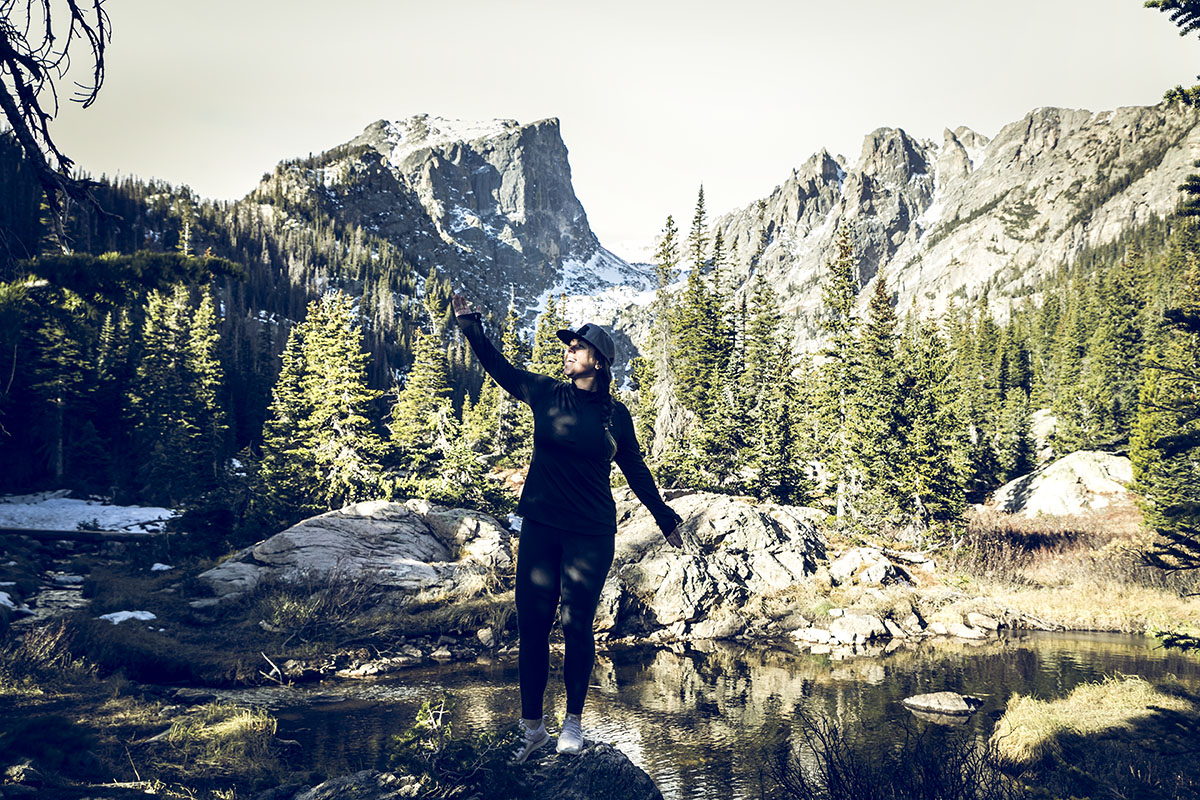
492,206
489,204
943,221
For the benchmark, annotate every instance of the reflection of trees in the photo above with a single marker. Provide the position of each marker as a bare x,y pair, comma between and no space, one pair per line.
698,719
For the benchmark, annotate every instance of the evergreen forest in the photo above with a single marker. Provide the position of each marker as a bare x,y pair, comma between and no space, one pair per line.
257,362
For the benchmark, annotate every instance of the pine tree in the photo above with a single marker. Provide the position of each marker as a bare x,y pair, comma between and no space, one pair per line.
287,469
62,379
163,423
419,415
697,236
876,422
1114,355
1166,438
320,450
204,378
656,381
781,475
338,431
515,423
642,377
547,358
839,372
932,486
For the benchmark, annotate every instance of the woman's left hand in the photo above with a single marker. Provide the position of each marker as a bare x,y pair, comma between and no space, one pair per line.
674,538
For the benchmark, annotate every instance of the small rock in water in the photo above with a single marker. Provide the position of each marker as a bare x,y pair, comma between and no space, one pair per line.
485,637
441,654
949,703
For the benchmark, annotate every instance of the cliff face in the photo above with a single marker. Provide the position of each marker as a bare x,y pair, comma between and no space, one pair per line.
941,220
490,204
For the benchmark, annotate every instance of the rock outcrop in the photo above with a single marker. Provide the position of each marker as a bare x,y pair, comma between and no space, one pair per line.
1074,484
599,772
733,549
402,546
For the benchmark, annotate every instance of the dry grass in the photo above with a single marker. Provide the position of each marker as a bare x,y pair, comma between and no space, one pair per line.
224,740
1033,729
1082,573
42,654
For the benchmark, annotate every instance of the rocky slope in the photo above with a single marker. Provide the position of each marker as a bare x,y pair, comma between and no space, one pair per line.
490,204
943,220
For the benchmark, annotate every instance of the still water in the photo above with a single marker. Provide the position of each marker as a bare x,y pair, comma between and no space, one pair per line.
696,718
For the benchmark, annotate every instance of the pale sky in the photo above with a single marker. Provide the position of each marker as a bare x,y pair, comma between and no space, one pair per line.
655,98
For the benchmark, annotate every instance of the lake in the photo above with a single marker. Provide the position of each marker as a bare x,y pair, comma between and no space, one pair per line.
696,717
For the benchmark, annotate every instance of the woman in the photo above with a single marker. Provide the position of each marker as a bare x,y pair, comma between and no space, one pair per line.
569,527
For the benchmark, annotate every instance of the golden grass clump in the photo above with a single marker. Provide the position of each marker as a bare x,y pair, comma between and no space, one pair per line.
1032,729
226,739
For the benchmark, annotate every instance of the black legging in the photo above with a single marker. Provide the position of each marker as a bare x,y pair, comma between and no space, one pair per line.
554,563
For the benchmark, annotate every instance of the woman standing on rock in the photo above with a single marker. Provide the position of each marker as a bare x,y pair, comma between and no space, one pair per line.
568,533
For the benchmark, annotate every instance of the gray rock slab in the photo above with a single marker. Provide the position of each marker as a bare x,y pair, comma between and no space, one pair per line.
400,546
857,628
950,703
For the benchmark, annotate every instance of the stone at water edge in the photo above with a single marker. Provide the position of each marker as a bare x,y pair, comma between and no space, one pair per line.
599,772
398,546
857,628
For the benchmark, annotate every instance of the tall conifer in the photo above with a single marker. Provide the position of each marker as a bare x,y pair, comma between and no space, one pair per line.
839,372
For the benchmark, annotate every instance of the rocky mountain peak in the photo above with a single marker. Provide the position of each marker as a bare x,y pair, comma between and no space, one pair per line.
950,220
890,153
490,203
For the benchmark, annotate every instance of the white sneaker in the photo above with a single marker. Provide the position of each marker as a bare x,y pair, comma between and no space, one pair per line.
533,739
570,738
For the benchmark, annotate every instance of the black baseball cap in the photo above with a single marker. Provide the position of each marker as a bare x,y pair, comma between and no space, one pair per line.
594,335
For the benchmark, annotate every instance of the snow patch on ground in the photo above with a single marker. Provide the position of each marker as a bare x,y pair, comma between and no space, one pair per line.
159,567
54,511
7,601
117,617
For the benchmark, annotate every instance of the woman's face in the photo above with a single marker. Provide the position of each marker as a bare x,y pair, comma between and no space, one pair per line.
579,359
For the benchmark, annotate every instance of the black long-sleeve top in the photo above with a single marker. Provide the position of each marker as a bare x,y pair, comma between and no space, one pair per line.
568,482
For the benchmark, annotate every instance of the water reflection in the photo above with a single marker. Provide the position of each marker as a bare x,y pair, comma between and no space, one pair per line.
697,718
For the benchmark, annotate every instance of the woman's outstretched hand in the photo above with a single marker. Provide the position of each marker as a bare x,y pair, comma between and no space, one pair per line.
460,305
674,538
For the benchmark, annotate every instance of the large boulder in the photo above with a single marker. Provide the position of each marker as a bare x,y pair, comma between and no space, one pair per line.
406,546
733,549
1080,482
599,772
